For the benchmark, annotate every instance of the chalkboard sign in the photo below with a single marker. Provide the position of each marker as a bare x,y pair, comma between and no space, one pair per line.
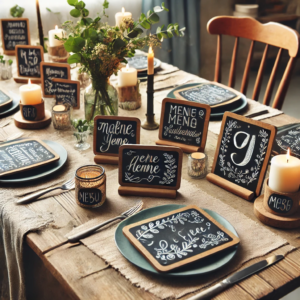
280,204
28,60
288,137
111,132
179,237
29,112
5,99
243,151
24,154
213,94
150,166
184,122
14,32
50,71
67,92
90,197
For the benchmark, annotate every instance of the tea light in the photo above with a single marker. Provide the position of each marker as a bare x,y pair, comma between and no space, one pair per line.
31,94
90,186
127,77
53,42
120,16
61,117
197,165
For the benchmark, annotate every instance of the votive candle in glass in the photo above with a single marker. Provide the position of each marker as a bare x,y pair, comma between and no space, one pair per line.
90,186
61,117
197,165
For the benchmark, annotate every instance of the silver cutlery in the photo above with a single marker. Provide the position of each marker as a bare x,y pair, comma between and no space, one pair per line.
68,185
259,113
12,137
236,277
133,210
4,123
174,85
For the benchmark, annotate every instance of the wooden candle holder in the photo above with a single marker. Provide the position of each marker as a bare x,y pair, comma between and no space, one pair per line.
58,54
129,97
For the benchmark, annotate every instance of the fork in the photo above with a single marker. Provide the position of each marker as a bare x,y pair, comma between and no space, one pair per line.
74,238
68,185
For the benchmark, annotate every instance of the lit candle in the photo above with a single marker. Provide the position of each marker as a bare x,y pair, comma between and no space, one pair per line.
31,94
150,61
59,108
51,36
285,173
120,16
127,77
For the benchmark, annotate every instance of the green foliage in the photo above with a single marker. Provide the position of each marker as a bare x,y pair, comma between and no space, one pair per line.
80,124
74,59
17,11
3,61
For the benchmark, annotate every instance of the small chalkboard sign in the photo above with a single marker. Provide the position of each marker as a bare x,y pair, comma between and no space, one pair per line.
179,237
184,124
242,155
50,71
14,32
5,99
67,92
111,132
212,93
23,155
28,61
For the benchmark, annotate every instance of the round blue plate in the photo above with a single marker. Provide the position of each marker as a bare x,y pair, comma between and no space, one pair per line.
217,112
42,171
203,266
14,105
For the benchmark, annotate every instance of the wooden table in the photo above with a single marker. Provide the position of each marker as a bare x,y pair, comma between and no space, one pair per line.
83,275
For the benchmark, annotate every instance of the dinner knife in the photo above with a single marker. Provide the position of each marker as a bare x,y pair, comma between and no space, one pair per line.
236,277
260,113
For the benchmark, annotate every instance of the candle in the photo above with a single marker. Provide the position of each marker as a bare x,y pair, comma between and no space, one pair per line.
53,42
285,173
61,117
31,94
127,77
59,108
120,16
197,165
150,61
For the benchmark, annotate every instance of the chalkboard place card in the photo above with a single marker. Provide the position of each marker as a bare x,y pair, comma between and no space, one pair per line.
149,170
5,100
242,155
50,71
23,155
14,32
213,94
179,237
28,63
111,132
67,92
184,124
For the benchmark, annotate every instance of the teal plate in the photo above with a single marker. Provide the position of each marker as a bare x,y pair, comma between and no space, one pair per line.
217,112
203,266
42,171
12,108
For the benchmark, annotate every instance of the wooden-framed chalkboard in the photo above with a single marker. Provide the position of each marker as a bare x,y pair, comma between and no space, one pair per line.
50,71
23,155
28,61
5,99
211,93
179,237
14,32
184,124
242,155
67,92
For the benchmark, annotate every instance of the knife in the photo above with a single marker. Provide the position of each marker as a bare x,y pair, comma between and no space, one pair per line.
263,112
236,277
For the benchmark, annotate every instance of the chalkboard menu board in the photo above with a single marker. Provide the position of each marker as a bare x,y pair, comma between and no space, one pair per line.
28,60
179,237
50,71
184,122
14,32
243,151
67,92
111,132
5,99
24,154
213,94
150,166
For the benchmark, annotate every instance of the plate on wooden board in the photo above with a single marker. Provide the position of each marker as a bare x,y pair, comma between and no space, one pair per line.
204,266
42,171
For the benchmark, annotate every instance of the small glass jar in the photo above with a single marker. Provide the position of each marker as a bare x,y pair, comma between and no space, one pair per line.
61,117
197,165
90,186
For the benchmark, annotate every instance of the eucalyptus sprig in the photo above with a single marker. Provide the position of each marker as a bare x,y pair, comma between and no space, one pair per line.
81,125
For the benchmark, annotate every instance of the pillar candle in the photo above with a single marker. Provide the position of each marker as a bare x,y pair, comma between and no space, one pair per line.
51,36
150,61
284,173
120,16
127,77
31,94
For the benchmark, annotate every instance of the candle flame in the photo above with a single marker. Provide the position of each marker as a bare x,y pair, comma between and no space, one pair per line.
29,81
56,27
150,50
288,155
123,10
127,67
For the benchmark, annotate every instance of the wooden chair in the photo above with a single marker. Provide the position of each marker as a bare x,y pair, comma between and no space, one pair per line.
273,34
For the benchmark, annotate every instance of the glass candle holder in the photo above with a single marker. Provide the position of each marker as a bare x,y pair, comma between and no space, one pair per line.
61,117
90,186
5,71
197,165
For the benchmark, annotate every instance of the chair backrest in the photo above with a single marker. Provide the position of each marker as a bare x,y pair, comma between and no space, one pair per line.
273,34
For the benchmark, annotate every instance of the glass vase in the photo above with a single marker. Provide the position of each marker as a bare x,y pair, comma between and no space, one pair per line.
102,100
81,140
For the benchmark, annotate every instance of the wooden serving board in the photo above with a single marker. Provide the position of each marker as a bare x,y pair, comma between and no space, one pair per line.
24,154
179,237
